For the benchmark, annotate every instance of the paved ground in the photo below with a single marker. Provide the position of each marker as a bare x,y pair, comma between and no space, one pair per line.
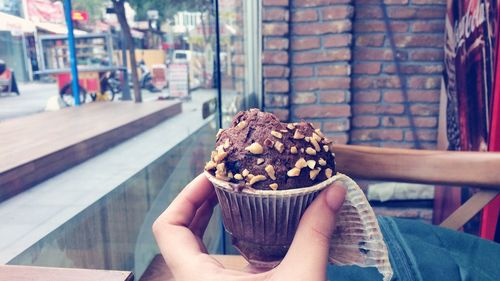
34,97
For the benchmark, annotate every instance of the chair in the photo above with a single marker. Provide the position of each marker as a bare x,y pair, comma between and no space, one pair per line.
449,168
6,81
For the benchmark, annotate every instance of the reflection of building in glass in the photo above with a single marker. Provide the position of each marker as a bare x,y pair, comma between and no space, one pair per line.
12,7
186,21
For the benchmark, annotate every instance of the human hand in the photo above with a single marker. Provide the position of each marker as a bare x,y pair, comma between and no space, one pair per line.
179,231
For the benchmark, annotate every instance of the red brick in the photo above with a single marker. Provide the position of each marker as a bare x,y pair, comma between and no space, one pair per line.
304,16
333,70
423,135
424,109
333,97
427,55
376,135
379,26
275,2
336,125
424,82
397,2
413,96
415,68
428,2
322,84
369,54
270,14
367,68
340,40
358,109
275,71
276,100
274,57
302,71
368,12
374,40
275,43
274,29
276,85
376,82
366,96
419,40
323,56
428,26
317,3
365,121
337,12
322,111
281,113
416,13
306,43
420,122
330,27
303,98
338,138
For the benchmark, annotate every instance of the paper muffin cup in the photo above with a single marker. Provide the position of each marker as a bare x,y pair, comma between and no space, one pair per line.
262,224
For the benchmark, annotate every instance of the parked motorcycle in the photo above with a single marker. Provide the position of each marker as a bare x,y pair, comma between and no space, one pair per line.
146,79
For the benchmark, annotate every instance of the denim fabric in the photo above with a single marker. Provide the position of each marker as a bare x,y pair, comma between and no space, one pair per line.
423,252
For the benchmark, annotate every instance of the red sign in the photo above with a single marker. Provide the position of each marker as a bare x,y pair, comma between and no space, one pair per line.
45,11
80,16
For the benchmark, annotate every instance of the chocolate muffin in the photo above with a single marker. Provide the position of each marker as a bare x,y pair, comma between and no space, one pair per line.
260,152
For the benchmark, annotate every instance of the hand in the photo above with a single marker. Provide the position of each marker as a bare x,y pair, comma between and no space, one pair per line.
179,231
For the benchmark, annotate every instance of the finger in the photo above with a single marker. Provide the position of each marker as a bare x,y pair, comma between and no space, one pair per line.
203,216
177,242
312,240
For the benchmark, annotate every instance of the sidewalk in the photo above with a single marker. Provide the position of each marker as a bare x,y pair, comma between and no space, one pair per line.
33,99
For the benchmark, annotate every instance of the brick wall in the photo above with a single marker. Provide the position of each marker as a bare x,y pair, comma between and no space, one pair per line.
380,113
331,62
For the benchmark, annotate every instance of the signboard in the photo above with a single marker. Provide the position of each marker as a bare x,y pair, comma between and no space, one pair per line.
80,16
178,80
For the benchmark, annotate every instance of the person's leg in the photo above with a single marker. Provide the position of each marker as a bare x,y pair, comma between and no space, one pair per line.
14,88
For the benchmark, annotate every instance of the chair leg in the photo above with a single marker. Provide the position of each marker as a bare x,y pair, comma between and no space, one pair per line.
469,209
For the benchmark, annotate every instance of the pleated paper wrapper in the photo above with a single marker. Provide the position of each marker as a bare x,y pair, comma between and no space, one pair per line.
262,224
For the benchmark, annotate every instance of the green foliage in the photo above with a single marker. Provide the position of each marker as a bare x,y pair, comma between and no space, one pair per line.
168,8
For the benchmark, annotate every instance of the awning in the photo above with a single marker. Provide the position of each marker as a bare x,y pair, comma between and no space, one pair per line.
57,28
15,24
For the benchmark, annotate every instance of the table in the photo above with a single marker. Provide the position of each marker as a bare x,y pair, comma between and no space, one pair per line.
36,273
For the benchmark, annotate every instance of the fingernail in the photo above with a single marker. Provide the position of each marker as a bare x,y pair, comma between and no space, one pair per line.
335,196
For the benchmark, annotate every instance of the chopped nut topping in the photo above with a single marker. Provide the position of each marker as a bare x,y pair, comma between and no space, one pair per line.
276,134
318,131
311,164
220,148
221,167
270,171
245,173
298,135
310,151
210,165
230,175
241,125
214,153
315,144
326,148
308,139
220,156
221,171
279,146
219,132
302,150
284,131
301,163
316,137
322,162
256,178
255,148
294,172
293,150
327,141
290,126
260,161
226,144
273,186
333,154
328,173
268,143
250,176
314,173
238,176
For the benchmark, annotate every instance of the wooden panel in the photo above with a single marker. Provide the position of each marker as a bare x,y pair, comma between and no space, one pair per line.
34,273
37,147
478,169
158,270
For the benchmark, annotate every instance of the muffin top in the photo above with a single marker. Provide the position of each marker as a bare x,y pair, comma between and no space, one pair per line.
260,152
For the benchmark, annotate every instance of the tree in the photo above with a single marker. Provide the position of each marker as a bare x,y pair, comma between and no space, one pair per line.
119,6
168,8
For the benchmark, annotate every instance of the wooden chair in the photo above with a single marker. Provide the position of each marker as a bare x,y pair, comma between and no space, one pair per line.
471,169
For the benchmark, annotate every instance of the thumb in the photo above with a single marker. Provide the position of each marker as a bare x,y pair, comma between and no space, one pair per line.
308,253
